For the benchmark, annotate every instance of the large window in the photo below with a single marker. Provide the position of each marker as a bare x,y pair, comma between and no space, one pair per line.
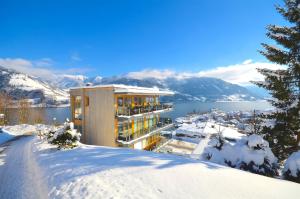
138,101
128,101
125,130
151,101
77,108
120,101
150,121
156,100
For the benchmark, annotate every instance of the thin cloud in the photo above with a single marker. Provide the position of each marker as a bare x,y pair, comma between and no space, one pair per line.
44,62
148,73
75,57
34,68
42,68
240,74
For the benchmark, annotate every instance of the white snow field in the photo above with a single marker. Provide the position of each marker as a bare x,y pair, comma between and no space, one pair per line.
10,132
32,168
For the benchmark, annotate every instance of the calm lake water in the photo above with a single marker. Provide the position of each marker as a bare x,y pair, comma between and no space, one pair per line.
181,109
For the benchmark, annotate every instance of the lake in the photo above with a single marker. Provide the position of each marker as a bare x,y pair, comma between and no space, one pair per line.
181,109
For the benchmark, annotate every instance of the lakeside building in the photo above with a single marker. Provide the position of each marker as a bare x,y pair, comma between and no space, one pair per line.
119,115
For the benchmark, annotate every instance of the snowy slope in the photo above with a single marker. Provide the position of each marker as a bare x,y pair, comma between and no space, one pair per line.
102,172
20,85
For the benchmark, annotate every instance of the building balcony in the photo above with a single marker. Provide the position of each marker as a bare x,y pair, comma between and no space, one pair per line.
128,138
127,112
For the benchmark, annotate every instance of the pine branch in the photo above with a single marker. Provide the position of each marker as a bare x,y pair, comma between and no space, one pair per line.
275,54
291,12
288,37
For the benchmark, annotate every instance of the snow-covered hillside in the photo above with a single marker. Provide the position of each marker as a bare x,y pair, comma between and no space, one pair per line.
102,172
19,86
32,168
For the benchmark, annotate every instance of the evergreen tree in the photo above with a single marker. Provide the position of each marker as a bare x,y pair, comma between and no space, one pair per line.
284,85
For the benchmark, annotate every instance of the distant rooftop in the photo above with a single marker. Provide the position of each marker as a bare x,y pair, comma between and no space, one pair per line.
125,89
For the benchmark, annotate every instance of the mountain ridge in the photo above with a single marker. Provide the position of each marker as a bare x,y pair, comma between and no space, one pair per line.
20,85
187,89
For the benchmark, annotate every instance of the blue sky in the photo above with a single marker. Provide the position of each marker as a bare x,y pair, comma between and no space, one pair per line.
116,37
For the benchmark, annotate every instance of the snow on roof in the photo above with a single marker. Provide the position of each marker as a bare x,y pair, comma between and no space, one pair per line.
125,89
208,128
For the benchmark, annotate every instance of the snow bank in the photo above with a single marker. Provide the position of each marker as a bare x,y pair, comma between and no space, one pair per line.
103,172
292,167
9,132
5,136
250,153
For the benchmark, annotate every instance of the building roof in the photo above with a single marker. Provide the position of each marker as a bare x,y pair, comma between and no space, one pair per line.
125,89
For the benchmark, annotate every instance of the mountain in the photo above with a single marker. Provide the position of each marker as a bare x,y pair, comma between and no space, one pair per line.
21,86
69,81
188,89
192,89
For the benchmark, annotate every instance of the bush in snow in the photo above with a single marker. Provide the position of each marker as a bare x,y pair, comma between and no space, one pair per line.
65,137
217,141
291,169
251,153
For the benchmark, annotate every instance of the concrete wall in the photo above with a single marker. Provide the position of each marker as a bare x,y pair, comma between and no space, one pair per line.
98,116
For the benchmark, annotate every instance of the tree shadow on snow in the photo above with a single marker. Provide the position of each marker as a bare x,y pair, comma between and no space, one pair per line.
86,160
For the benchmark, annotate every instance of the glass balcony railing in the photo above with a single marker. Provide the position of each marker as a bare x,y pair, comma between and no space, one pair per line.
128,111
128,136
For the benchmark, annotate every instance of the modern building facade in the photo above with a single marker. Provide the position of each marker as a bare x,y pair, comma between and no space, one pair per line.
119,115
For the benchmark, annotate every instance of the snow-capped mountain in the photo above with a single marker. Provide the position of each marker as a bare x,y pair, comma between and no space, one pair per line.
68,81
189,89
21,86
193,89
